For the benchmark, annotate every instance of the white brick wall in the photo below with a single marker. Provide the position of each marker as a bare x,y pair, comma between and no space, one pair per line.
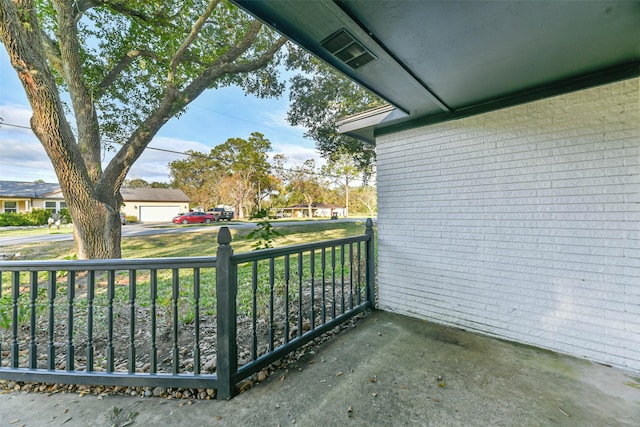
523,223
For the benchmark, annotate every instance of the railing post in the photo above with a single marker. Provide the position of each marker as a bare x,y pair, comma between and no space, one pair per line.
226,290
371,264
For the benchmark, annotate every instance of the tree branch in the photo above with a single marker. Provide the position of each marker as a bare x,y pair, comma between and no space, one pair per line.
262,61
83,107
224,64
53,53
195,30
124,62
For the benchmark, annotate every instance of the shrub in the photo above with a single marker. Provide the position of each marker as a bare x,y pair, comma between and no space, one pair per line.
10,219
37,217
65,216
264,233
34,218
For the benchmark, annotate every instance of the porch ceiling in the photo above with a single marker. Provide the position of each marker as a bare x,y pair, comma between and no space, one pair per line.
438,60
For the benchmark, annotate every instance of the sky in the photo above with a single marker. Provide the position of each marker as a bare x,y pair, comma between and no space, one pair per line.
211,119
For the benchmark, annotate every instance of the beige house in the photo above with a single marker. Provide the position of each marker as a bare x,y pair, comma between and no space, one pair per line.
18,197
145,204
154,204
318,210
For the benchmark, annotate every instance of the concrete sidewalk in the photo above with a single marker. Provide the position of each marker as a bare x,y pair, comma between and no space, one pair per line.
389,370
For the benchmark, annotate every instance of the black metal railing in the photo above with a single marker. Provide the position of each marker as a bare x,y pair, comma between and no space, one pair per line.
202,322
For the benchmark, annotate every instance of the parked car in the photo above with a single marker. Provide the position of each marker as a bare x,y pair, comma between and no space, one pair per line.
194,218
123,219
221,213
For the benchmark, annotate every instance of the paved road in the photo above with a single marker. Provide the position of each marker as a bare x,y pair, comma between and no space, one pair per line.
127,230
142,230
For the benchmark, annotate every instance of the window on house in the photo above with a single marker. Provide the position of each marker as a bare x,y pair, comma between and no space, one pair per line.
63,205
11,207
50,206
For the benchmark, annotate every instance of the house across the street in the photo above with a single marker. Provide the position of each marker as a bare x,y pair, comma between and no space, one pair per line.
154,204
317,209
20,197
146,204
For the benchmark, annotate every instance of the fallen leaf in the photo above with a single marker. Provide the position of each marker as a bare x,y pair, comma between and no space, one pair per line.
339,374
373,379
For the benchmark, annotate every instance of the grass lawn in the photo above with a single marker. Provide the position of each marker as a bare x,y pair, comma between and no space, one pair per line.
200,243
34,231
171,305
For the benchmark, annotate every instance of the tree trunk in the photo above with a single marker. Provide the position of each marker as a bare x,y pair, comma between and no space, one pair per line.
310,207
96,222
346,198
96,232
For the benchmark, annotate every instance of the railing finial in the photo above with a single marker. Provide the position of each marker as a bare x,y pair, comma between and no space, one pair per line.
224,236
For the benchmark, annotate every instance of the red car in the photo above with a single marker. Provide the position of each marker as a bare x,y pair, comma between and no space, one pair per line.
194,218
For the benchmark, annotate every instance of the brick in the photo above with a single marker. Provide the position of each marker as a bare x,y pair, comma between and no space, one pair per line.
522,223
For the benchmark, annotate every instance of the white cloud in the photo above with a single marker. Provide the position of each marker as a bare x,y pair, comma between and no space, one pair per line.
16,115
153,165
278,119
22,157
24,160
297,154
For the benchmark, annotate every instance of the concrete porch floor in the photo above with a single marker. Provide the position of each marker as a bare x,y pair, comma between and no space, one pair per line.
388,370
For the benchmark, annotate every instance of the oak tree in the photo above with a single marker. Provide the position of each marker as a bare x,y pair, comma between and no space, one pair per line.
306,184
342,170
236,172
197,177
320,97
111,73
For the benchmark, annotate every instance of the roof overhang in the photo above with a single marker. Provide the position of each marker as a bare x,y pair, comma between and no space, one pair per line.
441,60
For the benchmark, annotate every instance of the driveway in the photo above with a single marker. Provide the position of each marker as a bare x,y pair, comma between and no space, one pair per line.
387,370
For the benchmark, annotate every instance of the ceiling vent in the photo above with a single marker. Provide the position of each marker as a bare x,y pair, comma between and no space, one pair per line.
347,49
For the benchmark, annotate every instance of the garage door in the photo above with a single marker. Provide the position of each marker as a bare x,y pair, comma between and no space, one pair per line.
158,213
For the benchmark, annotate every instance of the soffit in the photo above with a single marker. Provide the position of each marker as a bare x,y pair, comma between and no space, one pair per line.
438,60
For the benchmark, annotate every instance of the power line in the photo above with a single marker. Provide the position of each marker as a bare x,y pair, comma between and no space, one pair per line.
242,119
193,153
15,126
